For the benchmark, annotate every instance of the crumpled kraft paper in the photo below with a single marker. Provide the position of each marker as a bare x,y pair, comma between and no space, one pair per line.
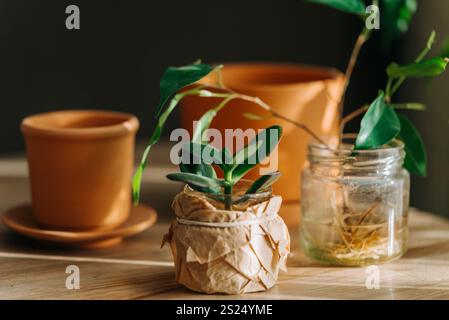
232,260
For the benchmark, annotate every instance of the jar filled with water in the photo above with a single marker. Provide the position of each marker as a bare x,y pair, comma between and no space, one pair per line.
355,204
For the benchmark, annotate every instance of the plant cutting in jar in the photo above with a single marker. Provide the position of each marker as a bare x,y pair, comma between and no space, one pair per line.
364,218
381,127
227,236
377,230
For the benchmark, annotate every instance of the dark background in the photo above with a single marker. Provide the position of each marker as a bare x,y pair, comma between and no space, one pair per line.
115,60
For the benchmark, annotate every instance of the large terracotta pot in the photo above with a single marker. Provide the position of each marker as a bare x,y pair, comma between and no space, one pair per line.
305,94
80,166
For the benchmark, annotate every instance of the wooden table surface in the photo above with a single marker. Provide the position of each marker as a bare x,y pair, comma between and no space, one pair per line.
139,269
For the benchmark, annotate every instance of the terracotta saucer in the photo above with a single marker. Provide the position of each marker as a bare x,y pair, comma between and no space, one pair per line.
21,220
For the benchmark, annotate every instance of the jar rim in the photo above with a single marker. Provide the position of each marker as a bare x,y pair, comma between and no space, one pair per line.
386,159
348,148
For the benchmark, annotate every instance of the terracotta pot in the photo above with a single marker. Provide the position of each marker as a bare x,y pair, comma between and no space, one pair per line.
305,94
80,166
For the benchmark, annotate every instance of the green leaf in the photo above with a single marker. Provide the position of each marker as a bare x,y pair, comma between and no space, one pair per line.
379,125
227,160
202,157
197,182
207,171
263,182
176,78
427,68
350,6
416,157
201,169
256,151
202,125
395,18
249,152
208,154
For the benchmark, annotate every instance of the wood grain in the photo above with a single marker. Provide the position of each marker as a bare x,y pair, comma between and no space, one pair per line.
139,269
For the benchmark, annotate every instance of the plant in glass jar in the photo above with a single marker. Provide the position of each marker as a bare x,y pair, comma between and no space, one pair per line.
227,236
355,193
365,218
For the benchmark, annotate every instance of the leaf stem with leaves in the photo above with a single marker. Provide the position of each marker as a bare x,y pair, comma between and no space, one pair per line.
418,59
234,95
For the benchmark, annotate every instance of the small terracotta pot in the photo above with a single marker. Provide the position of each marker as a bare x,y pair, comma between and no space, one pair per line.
308,95
80,166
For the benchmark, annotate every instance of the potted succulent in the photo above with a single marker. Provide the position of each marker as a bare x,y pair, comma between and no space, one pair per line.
227,236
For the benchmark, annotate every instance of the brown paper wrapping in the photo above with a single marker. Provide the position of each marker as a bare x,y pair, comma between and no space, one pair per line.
231,259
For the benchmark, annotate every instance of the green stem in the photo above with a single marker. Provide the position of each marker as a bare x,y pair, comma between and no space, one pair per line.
155,136
302,126
361,39
388,90
397,84
353,115
263,105
228,190
224,102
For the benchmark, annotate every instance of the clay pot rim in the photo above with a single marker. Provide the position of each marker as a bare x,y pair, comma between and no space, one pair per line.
319,73
122,123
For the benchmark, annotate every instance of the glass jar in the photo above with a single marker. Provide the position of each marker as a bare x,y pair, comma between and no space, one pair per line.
355,204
